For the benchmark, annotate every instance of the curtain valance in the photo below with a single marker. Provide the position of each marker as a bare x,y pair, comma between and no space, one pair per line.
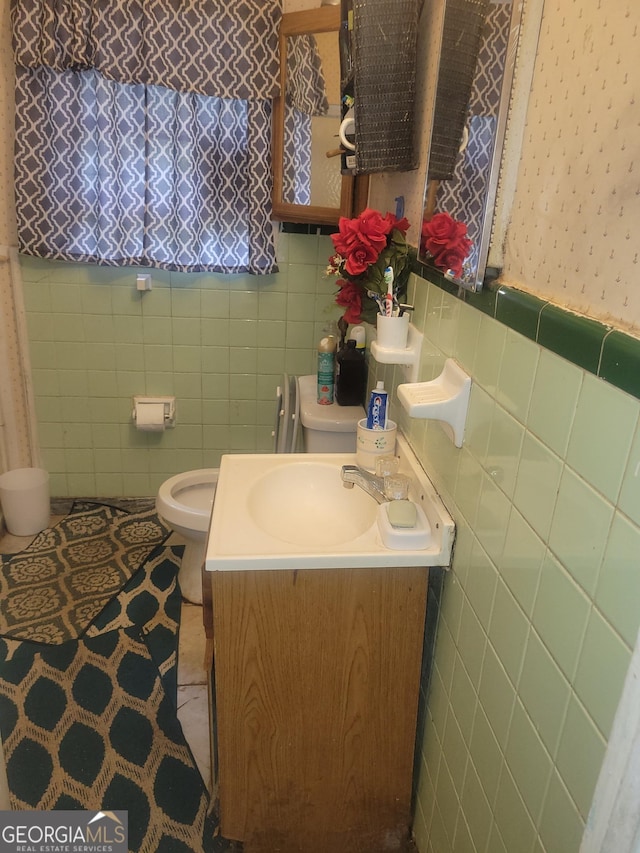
210,47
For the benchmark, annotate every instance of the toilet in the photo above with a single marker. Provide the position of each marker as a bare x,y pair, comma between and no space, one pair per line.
184,502
326,429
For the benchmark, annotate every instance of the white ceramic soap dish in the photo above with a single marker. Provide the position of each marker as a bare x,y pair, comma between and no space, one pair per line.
404,538
445,399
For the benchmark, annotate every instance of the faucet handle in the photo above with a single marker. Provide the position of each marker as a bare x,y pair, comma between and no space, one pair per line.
396,487
386,465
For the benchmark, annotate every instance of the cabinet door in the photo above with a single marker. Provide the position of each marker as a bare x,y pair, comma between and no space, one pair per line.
317,680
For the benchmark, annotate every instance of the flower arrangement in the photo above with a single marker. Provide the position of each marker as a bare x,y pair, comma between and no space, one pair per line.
372,264
445,240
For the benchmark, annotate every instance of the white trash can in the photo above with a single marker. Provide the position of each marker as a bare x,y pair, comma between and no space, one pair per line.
24,495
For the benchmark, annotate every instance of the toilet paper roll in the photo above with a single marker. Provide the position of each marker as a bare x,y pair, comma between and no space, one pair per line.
150,417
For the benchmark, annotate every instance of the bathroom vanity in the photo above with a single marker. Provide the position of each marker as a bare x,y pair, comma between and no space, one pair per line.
317,661
317,675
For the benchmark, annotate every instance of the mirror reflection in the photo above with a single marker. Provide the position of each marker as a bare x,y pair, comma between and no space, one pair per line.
308,185
311,121
465,188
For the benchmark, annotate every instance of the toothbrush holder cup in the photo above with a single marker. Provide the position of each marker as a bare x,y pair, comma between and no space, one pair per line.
373,443
392,332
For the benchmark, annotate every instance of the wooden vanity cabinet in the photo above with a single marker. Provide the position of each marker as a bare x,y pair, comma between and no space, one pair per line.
317,674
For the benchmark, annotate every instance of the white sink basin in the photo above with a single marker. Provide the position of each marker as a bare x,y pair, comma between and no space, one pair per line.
284,511
307,504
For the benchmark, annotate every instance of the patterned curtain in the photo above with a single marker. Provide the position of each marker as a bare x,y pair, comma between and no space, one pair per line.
143,131
305,97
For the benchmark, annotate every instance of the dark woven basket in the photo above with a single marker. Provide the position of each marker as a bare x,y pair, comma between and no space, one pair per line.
384,41
461,38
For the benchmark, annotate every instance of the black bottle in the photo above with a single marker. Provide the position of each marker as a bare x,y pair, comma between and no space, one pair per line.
351,381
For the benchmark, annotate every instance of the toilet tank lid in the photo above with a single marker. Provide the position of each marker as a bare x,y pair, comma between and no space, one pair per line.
333,418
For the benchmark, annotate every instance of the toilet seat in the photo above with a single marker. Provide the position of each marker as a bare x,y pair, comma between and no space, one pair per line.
285,432
186,500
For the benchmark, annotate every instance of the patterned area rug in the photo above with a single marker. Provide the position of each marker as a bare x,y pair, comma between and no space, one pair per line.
90,722
152,602
51,591
88,725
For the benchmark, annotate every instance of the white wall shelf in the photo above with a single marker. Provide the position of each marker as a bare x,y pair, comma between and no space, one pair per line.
444,399
409,356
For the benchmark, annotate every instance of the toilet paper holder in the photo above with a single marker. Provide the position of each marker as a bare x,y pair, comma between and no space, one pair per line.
168,405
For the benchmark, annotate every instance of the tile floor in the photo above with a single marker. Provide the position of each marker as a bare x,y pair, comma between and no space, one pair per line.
193,700
193,696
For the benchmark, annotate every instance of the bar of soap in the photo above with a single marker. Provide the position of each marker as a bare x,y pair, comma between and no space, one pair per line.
402,513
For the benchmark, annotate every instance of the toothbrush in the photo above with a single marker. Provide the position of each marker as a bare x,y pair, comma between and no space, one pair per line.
388,305
380,300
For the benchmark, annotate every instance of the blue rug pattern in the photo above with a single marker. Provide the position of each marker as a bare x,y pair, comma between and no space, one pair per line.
87,725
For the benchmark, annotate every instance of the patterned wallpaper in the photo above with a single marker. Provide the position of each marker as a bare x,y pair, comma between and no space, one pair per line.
573,234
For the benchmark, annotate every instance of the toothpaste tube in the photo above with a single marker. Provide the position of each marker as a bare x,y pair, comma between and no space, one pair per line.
377,409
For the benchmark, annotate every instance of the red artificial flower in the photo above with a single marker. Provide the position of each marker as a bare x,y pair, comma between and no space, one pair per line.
373,228
334,265
360,259
452,258
350,297
361,240
442,231
401,225
445,239
364,247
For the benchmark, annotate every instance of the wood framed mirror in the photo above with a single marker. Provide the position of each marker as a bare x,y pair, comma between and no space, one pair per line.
308,185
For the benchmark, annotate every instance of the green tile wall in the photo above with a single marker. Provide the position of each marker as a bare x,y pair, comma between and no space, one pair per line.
594,346
219,343
539,612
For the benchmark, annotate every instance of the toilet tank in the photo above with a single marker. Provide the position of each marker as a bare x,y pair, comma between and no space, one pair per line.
326,429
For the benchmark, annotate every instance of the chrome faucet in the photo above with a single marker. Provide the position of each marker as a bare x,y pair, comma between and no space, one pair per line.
352,476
